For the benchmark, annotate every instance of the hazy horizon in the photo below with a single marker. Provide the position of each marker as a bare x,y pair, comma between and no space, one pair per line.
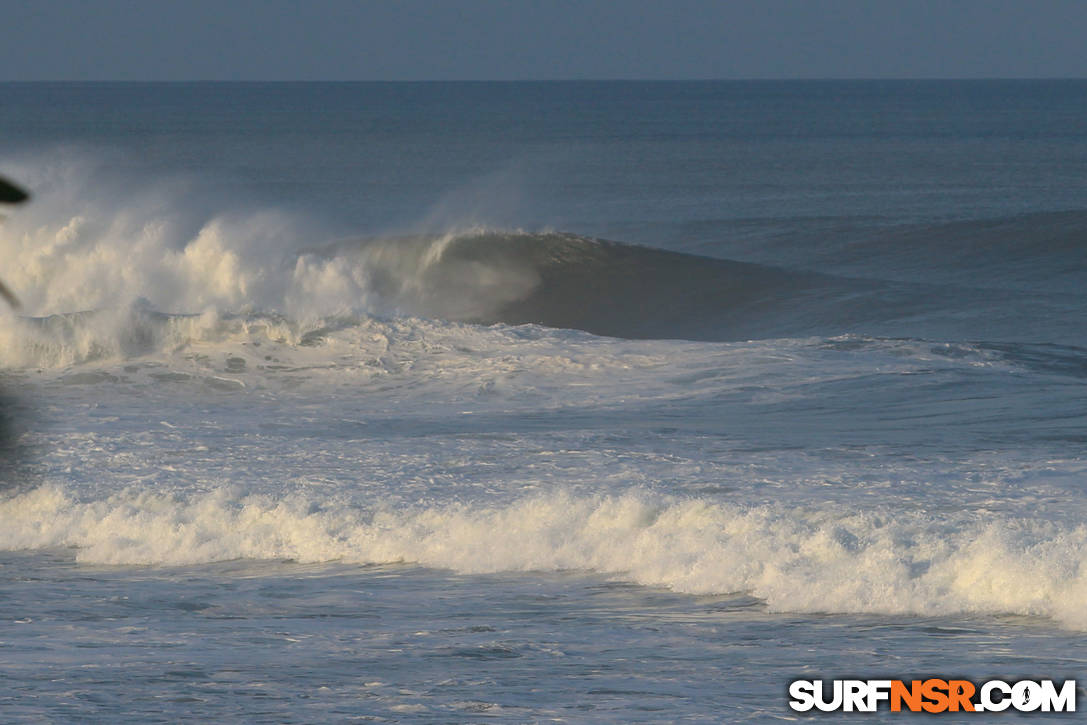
454,81
489,40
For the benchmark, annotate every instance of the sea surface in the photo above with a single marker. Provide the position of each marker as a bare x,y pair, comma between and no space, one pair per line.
538,402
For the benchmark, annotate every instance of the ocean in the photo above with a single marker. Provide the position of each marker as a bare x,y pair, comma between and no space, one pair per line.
538,402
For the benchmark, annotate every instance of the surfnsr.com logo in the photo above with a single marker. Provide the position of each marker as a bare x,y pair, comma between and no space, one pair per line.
932,695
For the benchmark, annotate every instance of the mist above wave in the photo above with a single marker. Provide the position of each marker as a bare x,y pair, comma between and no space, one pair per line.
79,249
91,246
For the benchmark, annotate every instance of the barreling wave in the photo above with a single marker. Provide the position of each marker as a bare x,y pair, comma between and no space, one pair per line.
610,288
564,280
83,255
73,251
822,559
557,280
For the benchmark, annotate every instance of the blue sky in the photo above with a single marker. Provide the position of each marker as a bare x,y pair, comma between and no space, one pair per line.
537,39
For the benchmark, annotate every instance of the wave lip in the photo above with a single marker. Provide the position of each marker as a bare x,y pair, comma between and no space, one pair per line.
564,280
826,559
608,288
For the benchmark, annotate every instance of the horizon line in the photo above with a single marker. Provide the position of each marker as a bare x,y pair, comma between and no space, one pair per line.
752,79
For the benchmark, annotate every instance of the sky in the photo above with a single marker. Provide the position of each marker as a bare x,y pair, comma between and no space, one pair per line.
175,40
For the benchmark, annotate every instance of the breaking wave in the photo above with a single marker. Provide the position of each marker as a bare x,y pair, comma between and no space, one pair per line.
819,559
99,277
77,252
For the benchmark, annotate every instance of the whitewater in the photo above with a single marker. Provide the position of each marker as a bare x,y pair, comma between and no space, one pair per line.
434,407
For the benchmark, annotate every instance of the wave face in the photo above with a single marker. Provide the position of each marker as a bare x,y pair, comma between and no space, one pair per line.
622,290
568,281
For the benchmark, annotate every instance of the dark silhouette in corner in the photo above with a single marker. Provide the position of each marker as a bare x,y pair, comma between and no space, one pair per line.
10,408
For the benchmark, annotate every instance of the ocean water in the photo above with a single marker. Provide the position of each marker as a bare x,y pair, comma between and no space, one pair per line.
538,402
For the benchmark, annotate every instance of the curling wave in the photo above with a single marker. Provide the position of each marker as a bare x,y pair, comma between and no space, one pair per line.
569,281
77,250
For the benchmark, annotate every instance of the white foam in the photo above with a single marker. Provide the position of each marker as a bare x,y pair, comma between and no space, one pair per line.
90,240
80,247
93,256
817,559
